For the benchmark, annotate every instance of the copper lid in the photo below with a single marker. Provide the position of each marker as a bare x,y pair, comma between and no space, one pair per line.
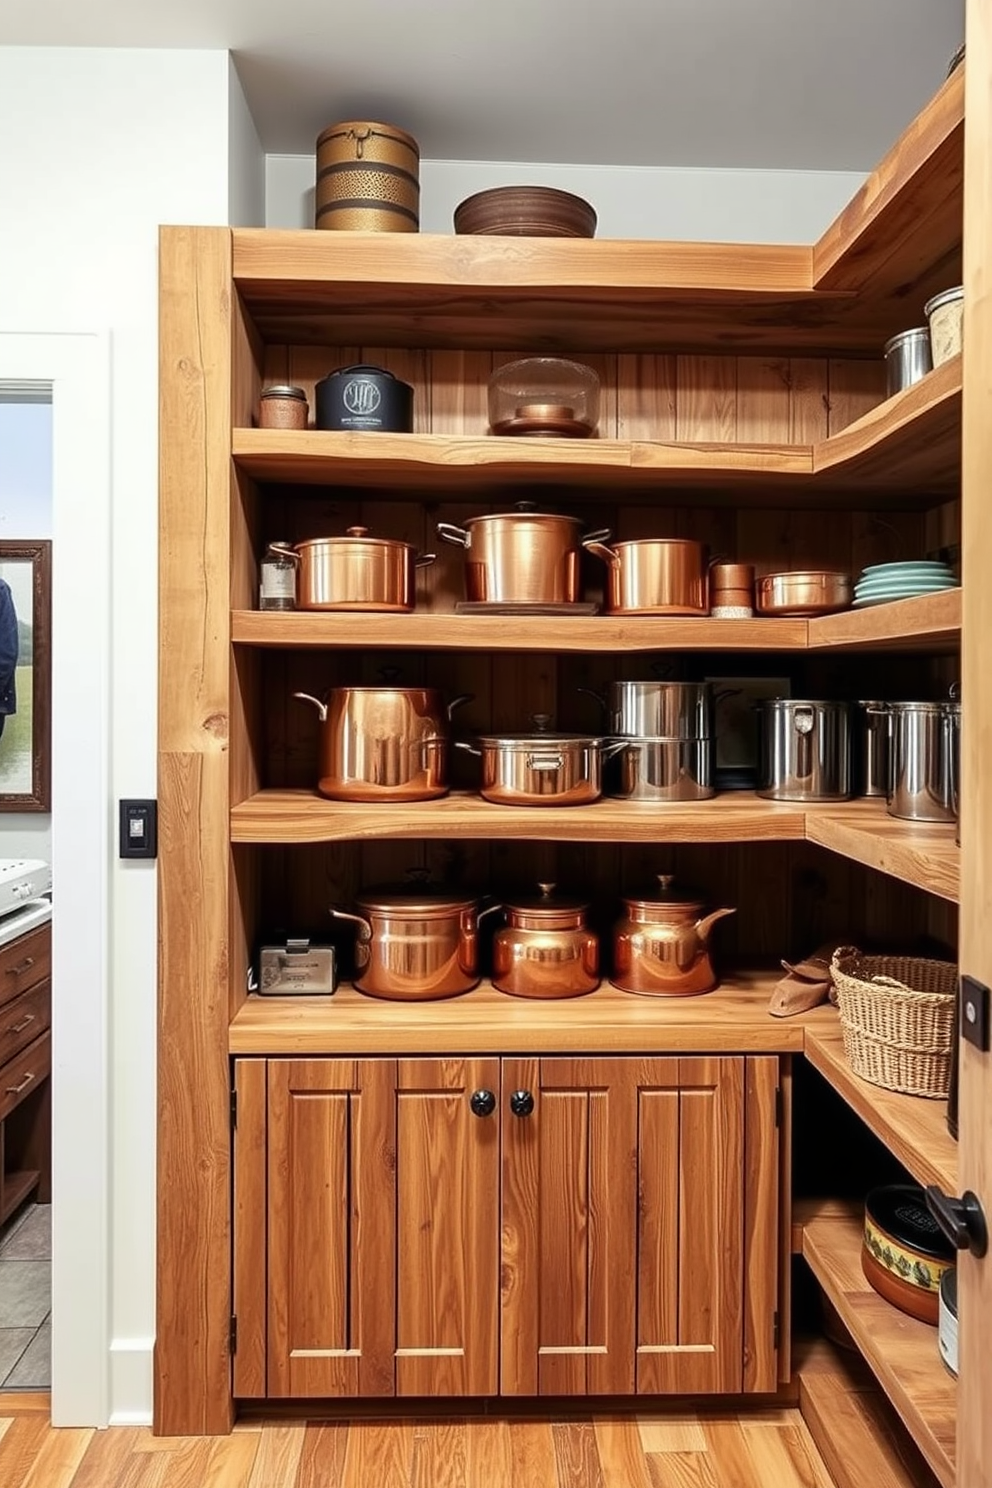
667,903
548,903
416,900
355,536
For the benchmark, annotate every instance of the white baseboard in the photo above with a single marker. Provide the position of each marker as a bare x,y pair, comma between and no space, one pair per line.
131,1381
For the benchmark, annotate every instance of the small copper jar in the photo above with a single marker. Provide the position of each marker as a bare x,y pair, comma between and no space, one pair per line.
545,948
282,406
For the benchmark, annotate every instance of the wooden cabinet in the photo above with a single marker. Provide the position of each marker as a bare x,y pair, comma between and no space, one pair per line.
535,1226
25,1063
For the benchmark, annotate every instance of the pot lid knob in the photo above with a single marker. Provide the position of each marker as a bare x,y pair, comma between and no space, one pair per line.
356,532
547,889
541,721
665,881
525,506
418,875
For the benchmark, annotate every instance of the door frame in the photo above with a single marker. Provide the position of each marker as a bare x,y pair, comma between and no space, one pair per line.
76,367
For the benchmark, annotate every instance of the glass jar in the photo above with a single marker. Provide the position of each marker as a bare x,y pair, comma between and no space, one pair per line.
277,579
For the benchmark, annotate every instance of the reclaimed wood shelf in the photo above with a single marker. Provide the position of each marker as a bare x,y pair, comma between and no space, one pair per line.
820,1206
905,452
929,621
733,1019
294,816
444,631
912,1127
900,1350
920,853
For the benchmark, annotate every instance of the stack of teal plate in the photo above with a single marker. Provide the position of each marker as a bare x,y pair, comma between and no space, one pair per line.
883,582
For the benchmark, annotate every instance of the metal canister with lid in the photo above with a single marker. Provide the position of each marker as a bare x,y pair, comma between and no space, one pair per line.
907,359
546,949
368,178
283,406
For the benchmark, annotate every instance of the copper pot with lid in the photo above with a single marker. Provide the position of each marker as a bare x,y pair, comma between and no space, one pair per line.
356,572
661,945
520,557
545,949
415,944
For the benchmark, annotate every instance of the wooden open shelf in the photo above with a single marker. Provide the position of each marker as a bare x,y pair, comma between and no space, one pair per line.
919,853
929,622
294,816
733,1019
443,631
901,1352
905,452
913,1128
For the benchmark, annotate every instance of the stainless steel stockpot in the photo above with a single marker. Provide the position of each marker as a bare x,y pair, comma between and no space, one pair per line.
871,749
415,946
542,768
657,770
660,710
923,771
805,750
383,743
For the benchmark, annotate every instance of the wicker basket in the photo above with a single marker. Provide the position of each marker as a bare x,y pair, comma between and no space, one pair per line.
897,1016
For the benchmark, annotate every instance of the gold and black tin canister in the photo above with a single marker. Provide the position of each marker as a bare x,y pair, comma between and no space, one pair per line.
368,178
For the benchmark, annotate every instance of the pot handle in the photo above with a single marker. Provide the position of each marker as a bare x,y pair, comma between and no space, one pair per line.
469,748
284,550
307,697
594,543
544,761
591,692
365,927
448,532
424,560
459,702
803,722
489,909
615,746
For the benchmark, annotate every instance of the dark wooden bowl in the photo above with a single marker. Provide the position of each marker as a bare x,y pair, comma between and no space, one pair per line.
526,212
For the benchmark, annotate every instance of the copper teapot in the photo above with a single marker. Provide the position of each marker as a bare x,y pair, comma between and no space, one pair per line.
660,947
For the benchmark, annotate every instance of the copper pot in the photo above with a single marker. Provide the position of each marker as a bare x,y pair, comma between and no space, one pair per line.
383,743
416,946
545,949
521,557
355,572
654,575
814,592
661,946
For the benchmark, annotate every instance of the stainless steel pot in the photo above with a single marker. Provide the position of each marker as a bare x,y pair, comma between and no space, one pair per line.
657,770
546,949
660,710
805,750
924,741
355,572
414,947
383,743
871,747
542,768
521,557
654,576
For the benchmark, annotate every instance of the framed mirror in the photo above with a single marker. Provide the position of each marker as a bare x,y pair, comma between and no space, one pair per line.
25,676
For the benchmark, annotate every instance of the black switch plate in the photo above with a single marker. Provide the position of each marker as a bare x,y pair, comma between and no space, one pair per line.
975,1013
139,829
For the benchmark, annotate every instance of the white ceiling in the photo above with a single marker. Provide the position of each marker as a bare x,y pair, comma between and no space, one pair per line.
800,84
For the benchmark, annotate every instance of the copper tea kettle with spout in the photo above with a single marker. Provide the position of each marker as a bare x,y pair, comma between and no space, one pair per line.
661,945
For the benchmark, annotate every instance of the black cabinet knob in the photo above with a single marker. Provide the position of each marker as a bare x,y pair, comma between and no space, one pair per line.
962,1220
521,1103
483,1103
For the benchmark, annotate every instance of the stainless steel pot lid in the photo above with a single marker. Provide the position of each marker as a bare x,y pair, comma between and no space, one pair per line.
943,707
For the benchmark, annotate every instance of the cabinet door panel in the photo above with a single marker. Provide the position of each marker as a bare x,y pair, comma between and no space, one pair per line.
331,1227
447,1229
702,1352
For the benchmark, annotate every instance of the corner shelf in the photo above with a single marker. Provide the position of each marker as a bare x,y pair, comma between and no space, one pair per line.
930,622
919,853
901,1351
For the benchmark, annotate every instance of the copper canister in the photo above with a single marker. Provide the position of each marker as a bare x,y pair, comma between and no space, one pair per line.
368,178
545,949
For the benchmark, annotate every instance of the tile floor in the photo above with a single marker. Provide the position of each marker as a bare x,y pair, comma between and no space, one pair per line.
26,1299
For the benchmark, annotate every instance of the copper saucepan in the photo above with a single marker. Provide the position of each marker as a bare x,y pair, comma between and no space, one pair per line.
413,946
520,557
355,572
654,575
810,592
383,743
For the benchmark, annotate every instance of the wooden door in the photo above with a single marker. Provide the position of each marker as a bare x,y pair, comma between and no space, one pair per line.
975,1120
331,1226
623,1226
447,1227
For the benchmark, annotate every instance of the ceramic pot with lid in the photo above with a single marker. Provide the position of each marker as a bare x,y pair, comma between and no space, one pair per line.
904,1253
661,945
542,768
519,557
415,945
364,399
355,572
383,743
545,949
654,575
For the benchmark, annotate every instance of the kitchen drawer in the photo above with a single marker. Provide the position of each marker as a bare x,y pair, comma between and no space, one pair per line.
22,1020
22,1075
25,962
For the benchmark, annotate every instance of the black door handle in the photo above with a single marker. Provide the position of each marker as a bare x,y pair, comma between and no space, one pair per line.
483,1103
962,1220
521,1103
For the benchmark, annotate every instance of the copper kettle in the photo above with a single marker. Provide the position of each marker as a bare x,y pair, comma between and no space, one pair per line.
661,946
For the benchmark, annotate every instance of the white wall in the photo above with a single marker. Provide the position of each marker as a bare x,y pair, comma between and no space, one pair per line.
97,148
706,206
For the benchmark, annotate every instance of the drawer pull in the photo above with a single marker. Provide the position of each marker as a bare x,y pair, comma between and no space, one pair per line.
16,1089
21,967
20,1027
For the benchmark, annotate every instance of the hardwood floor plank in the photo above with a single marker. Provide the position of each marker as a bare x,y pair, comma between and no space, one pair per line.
685,1470
439,1455
782,1455
277,1460
489,1455
674,1433
5,1424
60,1455
107,1454
379,1452
577,1455
732,1462
621,1455
532,1450
20,1446
322,1460
230,1462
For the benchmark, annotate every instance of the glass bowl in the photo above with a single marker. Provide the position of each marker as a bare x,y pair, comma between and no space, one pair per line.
544,397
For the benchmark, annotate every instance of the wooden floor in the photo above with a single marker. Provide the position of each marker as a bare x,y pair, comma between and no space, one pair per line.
769,1449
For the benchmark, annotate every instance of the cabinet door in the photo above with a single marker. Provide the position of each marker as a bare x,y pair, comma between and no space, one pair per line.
447,1228
331,1227
623,1226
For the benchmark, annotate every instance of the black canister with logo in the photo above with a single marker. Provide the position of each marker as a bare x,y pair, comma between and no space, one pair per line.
364,398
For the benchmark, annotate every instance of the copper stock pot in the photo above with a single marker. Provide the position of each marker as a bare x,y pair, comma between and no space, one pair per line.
416,945
355,572
383,743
